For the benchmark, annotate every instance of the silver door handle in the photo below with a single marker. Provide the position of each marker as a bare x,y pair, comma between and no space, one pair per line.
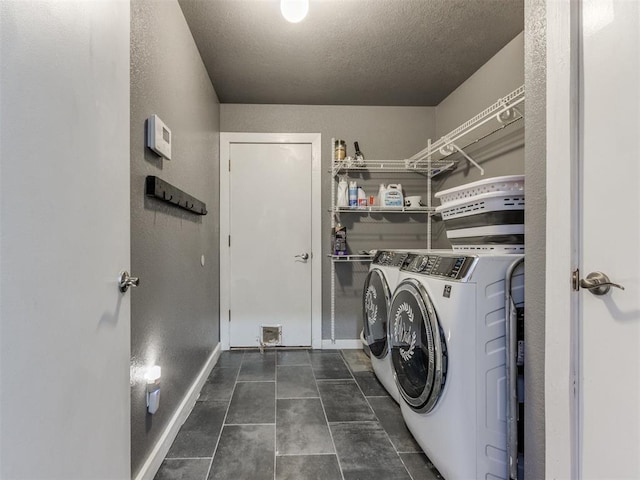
125,281
303,256
598,283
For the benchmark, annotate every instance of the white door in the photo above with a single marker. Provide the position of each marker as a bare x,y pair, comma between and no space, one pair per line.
609,375
270,247
65,331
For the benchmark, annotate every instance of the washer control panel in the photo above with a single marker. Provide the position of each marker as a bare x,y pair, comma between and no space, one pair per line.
389,258
453,267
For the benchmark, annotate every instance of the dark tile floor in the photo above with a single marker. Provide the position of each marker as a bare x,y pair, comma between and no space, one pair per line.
295,415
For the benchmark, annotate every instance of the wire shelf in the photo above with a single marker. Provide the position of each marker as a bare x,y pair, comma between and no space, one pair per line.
379,209
350,258
505,111
392,166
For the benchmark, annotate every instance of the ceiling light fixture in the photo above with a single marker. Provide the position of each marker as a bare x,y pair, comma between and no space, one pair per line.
294,10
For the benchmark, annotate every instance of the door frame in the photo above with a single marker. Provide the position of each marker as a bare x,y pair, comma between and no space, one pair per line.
562,314
315,140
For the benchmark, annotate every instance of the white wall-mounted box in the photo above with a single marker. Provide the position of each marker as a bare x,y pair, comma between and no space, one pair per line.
158,137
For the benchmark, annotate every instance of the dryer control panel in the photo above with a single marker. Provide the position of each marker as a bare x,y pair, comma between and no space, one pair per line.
453,267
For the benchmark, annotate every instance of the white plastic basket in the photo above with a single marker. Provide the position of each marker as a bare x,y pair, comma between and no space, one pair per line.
490,238
511,184
486,202
488,231
489,248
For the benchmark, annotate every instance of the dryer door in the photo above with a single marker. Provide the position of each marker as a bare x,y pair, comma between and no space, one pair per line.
376,298
418,348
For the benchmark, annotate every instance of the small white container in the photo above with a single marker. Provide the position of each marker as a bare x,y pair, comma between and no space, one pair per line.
413,201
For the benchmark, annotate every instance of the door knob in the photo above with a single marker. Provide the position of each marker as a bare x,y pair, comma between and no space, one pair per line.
125,281
304,256
597,283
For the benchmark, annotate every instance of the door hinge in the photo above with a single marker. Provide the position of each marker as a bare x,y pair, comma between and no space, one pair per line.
229,240
575,279
229,315
229,164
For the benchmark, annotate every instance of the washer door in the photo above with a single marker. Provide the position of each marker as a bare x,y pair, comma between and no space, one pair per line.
418,348
376,298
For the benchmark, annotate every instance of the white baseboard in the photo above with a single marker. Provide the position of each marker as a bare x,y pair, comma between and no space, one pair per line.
155,458
340,344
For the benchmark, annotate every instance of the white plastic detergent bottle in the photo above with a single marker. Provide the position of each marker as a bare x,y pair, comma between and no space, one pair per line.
380,199
353,194
343,193
393,196
362,197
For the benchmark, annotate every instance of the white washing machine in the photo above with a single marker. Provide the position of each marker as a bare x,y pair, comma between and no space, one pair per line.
447,341
376,298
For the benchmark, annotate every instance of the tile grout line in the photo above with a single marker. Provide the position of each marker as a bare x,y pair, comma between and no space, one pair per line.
398,452
405,466
249,424
305,350
275,418
378,420
334,379
324,411
256,381
306,454
296,398
349,422
224,420
186,458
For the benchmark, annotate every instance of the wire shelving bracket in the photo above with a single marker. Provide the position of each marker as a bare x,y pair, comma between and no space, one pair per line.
504,111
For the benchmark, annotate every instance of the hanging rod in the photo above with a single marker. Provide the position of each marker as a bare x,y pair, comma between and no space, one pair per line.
504,111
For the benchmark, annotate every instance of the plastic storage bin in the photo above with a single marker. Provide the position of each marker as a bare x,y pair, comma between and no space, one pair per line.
485,216
508,183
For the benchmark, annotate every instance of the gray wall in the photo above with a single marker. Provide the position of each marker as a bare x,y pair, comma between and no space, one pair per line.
500,154
535,231
175,319
383,133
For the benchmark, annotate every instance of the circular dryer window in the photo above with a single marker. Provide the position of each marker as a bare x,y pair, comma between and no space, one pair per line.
418,349
375,308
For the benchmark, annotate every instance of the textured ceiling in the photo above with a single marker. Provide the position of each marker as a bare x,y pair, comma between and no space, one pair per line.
348,52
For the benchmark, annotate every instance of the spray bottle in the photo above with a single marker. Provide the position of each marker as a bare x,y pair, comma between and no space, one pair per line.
353,194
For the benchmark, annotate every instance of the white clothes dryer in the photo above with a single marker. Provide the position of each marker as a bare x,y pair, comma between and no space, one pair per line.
447,341
378,289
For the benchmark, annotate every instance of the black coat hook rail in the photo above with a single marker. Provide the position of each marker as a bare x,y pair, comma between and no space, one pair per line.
165,191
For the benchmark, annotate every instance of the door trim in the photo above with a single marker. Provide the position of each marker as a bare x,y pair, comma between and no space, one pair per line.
315,139
562,412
